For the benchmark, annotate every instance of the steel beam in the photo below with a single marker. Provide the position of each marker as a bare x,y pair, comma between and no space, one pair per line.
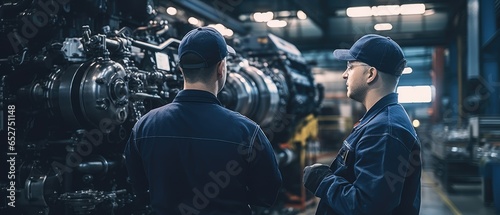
214,13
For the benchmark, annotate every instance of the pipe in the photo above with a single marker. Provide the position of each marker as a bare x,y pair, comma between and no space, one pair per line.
459,75
153,47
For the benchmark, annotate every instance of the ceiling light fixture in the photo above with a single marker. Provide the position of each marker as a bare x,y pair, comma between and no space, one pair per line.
284,13
263,17
386,10
228,32
429,12
301,15
414,94
222,29
193,21
383,26
244,17
407,70
411,9
415,123
171,11
277,23
359,11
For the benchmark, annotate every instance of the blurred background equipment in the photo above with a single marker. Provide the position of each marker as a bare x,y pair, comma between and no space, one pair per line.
453,159
485,144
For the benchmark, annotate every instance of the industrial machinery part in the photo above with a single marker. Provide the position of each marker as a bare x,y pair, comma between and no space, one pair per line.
484,132
458,152
288,99
76,75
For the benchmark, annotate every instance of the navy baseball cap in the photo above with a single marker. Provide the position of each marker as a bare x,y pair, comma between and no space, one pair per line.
207,44
377,51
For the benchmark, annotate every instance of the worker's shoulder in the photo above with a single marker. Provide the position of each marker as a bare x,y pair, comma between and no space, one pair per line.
238,118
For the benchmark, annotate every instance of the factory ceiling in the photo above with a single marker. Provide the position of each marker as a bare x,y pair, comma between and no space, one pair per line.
319,26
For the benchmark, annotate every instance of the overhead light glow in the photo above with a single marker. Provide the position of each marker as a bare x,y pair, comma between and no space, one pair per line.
228,32
407,70
416,123
414,94
301,15
263,17
277,23
284,13
386,10
408,9
383,26
429,12
222,29
359,11
171,11
244,17
193,21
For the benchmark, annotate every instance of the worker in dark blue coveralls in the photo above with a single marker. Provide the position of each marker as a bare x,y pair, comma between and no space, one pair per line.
378,168
195,156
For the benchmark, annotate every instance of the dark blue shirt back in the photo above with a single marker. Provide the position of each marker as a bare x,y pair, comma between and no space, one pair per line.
197,157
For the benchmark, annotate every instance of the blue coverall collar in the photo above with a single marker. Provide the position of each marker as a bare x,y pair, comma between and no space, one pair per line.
389,99
196,96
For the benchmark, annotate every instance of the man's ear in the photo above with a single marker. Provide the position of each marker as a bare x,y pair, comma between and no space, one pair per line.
220,68
372,75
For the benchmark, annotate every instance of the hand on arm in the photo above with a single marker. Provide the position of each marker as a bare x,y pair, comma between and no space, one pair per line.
314,174
371,190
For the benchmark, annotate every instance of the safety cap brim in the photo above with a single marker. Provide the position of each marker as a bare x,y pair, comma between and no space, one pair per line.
343,54
230,50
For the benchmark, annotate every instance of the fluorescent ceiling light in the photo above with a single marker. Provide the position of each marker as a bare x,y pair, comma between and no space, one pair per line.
301,15
171,11
359,11
415,123
414,94
385,10
429,12
244,17
407,70
222,29
277,23
408,9
284,13
228,32
193,21
383,26
263,17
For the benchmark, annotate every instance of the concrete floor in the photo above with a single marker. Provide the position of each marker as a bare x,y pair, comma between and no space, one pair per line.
464,200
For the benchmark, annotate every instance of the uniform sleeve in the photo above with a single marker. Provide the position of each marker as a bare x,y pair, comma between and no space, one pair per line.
380,166
135,169
265,178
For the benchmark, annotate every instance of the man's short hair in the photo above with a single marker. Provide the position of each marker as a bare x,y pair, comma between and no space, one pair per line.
196,74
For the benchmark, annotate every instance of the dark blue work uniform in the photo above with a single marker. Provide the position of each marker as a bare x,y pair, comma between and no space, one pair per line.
378,168
197,157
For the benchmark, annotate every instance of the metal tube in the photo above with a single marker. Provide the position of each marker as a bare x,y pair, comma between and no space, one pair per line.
153,47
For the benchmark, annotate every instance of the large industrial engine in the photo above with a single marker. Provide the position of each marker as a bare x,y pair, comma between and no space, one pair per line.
76,75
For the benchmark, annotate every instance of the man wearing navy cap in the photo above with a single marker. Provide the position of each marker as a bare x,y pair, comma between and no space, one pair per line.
193,155
378,168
